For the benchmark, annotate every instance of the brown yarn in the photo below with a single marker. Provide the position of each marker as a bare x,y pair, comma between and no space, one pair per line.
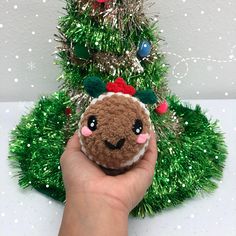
115,118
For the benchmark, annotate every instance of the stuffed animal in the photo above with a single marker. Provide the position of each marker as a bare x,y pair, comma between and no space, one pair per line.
114,130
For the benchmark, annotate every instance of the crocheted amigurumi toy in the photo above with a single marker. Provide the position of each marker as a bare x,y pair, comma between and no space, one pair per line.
114,130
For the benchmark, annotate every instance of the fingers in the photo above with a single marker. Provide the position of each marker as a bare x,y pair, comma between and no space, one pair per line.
74,143
140,177
151,153
76,160
72,149
148,162
85,167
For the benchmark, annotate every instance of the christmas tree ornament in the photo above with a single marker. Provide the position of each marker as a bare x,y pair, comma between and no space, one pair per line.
162,108
81,51
114,130
68,111
144,49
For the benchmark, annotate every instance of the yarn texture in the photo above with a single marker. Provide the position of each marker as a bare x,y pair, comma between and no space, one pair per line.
114,143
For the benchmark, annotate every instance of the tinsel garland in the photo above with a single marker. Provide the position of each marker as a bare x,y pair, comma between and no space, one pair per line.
107,62
187,163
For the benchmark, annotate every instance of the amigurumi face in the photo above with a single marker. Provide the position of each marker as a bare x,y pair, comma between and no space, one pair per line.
114,130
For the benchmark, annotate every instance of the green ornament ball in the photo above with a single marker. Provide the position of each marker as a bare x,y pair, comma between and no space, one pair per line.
186,164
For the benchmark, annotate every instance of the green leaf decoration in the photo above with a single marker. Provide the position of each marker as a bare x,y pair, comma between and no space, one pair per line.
146,96
94,86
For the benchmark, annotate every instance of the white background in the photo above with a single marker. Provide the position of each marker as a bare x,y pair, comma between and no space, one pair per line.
200,47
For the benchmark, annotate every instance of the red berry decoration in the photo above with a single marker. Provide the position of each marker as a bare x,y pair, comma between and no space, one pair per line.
162,108
68,111
102,1
120,86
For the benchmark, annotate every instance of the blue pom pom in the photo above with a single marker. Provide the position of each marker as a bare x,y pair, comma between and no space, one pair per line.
144,49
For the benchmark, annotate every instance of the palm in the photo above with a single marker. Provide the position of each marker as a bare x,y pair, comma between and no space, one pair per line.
122,191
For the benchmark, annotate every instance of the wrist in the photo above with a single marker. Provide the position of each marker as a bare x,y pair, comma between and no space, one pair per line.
94,215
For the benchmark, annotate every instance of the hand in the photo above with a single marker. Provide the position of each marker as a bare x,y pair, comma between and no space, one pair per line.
123,191
90,189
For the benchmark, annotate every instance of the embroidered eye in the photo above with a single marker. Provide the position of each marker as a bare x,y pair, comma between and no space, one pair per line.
92,123
137,127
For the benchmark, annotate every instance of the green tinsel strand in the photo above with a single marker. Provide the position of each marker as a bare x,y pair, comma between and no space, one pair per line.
187,164
39,140
84,29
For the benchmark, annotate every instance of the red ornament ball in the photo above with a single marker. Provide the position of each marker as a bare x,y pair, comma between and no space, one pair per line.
102,1
162,108
68,111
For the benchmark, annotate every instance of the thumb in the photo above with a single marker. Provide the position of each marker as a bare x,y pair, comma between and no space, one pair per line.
74,158
73,143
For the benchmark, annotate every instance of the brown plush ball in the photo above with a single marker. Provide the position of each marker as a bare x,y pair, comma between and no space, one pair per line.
114,130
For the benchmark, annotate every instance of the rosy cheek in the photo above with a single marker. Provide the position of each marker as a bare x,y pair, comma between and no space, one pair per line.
142,138
86,131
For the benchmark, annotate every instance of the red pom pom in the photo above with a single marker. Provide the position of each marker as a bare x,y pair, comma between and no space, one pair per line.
68,111
120,86
162,108
102,1
130,90
120,80
109,86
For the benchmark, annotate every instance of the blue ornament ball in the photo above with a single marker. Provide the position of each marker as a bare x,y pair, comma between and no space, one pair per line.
144,49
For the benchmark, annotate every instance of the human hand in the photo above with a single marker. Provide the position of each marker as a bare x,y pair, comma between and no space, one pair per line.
90,189
123,191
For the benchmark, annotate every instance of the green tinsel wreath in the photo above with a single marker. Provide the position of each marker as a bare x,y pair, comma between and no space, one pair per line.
186,165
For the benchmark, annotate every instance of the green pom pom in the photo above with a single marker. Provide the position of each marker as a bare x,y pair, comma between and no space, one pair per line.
146,96
94,86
